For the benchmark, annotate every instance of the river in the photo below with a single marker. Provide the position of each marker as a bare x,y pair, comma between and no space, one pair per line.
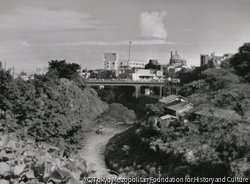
94,148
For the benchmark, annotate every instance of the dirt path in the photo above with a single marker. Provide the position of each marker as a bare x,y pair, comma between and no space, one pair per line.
94,149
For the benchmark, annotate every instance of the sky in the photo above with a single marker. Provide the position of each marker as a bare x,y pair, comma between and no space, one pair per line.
34,32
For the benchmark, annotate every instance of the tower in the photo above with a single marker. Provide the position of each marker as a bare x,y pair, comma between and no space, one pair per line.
129,52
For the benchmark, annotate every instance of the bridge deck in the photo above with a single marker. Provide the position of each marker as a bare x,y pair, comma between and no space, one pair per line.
124,83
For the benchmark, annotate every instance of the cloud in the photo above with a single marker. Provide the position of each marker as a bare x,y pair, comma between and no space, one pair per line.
152,25
41,19
188,29
24,43
124,42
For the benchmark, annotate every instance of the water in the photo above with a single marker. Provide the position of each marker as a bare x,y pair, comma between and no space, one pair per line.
94,149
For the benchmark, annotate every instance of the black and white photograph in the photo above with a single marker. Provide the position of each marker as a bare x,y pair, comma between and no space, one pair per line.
124,91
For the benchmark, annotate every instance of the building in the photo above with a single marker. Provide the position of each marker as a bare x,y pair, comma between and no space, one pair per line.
172,98
85,74
176,63
137,64
176,105
176,60
124,66
111,61
165,122
173,69
127,65
148,74
213,61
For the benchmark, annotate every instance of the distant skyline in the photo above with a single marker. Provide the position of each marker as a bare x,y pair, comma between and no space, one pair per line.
33,32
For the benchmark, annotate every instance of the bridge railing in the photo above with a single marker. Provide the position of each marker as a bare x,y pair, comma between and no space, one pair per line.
125,80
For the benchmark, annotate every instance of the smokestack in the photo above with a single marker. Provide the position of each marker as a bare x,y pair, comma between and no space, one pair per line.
171,55
129,57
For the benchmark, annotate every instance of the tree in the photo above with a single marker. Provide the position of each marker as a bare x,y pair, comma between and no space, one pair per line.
153,64
154,109
241,62
7,91
192,87
219,78
237,98
105,74
107,95
93,74
23,105
22,73
61,69
189,75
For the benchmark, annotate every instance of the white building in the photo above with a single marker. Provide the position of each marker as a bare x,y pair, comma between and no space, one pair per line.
137,64
124,65
140,74
128,65
111,61
132,64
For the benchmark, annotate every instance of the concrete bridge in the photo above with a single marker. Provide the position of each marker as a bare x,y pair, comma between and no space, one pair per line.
136,84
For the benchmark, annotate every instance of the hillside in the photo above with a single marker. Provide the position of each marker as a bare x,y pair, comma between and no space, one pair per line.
69,110
50,109
42,123
208,148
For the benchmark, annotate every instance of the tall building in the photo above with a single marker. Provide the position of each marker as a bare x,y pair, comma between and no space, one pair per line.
111,61
205,58
212,60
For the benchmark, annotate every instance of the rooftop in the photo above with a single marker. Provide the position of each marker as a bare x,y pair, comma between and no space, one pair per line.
177,106
170,98
168,116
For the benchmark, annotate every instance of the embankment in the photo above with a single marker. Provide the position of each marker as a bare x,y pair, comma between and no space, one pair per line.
203,148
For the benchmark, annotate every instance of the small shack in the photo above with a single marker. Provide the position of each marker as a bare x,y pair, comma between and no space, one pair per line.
177,106
165,122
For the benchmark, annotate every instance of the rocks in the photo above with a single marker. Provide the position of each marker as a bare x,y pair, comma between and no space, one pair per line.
34,163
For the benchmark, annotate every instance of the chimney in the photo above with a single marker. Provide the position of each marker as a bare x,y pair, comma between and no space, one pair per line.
171,55
129,57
